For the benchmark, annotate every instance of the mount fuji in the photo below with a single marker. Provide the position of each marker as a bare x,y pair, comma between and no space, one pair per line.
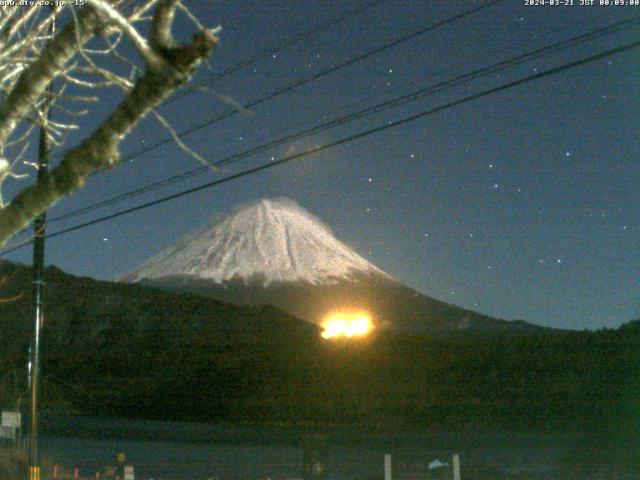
273,251
267,242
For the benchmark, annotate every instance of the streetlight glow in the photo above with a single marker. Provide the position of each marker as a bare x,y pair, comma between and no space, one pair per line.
346,324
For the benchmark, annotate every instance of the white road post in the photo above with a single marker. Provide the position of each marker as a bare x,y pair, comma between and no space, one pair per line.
387,467
456,467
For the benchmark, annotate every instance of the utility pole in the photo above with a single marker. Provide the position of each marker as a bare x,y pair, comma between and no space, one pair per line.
39,231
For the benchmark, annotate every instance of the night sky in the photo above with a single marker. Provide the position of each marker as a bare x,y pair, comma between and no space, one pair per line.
520,205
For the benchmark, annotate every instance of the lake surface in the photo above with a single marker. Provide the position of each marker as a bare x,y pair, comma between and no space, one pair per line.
194,451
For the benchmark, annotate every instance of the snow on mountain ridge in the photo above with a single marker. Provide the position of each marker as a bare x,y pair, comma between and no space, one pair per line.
270,241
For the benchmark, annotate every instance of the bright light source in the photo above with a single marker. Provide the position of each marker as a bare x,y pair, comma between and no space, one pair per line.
346,324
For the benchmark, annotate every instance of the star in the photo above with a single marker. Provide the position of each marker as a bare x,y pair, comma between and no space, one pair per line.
567,154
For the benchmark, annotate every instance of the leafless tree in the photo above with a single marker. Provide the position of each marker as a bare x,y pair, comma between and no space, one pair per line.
81,58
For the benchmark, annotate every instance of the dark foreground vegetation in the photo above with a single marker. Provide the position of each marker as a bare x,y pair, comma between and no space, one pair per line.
133,351
12,465
129,350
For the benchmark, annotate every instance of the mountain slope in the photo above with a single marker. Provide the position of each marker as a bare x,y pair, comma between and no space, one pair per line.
390,304
130,350
82,310
276,252
135,351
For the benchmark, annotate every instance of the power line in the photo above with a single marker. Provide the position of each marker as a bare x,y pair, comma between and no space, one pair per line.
312,78
278,48
351,138
270,51
392,103
299,83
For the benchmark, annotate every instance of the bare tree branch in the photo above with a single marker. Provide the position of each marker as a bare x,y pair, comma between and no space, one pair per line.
168,65
35,79
151,58
176,138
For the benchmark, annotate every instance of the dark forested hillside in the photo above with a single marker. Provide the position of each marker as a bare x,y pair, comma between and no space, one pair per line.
129,350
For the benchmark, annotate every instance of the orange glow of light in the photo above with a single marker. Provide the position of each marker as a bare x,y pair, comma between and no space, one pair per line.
346,324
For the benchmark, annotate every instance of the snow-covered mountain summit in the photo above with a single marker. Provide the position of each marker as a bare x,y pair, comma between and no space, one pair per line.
269,241
275,252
